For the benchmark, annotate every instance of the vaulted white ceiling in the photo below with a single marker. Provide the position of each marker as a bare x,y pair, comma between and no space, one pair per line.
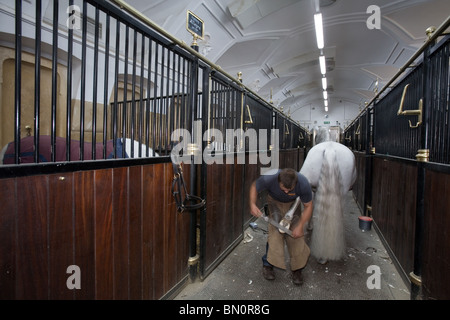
273,44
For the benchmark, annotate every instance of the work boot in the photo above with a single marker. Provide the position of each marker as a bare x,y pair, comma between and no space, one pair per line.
297,277
268,273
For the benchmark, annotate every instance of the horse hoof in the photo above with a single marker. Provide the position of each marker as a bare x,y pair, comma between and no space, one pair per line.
322,261
284,223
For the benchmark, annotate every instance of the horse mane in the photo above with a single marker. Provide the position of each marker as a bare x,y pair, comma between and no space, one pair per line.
327,241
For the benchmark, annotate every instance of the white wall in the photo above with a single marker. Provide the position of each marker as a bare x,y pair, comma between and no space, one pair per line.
339,113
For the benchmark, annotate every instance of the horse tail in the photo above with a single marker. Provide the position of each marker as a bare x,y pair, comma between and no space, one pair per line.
327,240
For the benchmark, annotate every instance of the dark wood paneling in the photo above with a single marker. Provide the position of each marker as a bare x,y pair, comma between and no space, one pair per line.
252,172
120,230
119,226
148,240
359,185
239,194
227,209
61,234
170,234
436,258
219,226
156,210
290,159
104,254
84,234
301,158
182,229
32,235
8,236
135,231
394,206
32,238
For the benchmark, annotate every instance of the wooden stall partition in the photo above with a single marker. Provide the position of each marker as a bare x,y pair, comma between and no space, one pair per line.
252,172
408,177
436,260
290,159
359,187
223,224
227,206
301,157
223,220
30,235
238,209
8,231
119,226
394,206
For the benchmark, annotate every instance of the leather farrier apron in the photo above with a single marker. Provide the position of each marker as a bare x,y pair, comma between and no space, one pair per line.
297,248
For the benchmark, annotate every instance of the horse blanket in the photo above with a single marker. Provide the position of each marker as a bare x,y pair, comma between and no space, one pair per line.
45,150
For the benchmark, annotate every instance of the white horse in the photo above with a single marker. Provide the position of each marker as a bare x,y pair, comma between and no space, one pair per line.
330,169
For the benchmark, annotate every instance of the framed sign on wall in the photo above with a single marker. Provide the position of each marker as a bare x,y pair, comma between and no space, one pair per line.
194,25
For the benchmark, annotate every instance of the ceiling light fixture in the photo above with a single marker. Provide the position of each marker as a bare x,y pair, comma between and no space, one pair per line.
319,30
318,22
323,67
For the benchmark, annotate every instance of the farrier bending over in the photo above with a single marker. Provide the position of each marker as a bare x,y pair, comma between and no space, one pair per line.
283,187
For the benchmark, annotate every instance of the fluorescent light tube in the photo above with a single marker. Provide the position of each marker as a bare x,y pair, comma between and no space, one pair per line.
323,68
319,30
325,95
326,109
325,102
324,83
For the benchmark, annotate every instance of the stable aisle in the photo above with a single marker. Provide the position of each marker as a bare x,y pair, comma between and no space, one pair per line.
357,277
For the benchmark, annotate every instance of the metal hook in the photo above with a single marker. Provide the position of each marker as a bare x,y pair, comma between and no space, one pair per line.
249,115
417,112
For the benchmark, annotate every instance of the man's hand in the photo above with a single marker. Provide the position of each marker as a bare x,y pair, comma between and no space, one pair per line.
298,232
254,210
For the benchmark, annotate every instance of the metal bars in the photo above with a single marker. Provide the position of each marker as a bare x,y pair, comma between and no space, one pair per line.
358,134
439,86
18,78
257,116
223,114
37,79
395,134
54,102
118,89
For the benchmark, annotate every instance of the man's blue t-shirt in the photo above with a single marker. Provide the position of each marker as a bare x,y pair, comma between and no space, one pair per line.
270,183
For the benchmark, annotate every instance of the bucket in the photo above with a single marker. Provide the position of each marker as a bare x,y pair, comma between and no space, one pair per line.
365,223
